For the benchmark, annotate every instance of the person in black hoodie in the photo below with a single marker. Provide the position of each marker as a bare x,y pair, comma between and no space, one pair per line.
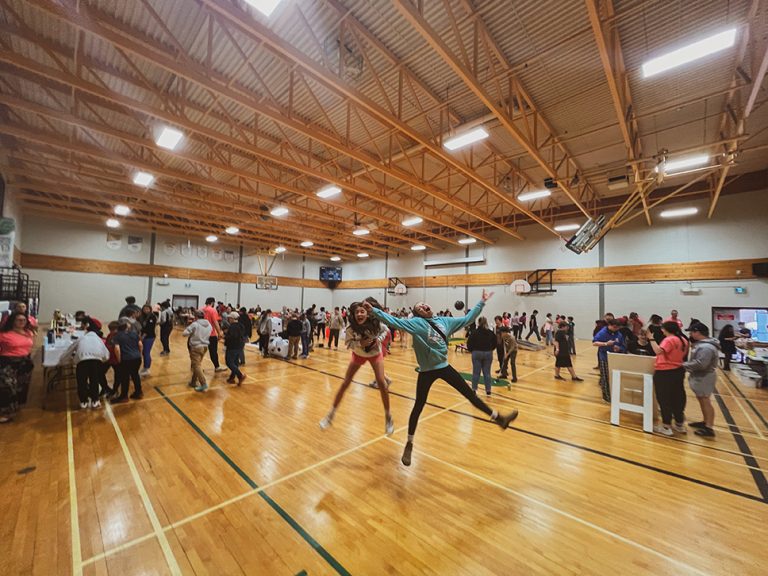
245,321
294,336
727,340
534,324
481,343
148,322
234,341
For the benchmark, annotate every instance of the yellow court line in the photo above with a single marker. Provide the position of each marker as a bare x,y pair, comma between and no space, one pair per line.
560,512
244,495
741,407
166,547
74,520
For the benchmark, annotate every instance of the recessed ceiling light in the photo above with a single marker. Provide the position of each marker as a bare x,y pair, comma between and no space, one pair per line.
211,238
335,258
466,139
412,221
690,53
307,244
467,240
169,138
279,211
143,179
280,249
567,227
232,230
361,231
678,212
683,163
266,7
122,210
328,191
418,247
113,223
534,195
363,255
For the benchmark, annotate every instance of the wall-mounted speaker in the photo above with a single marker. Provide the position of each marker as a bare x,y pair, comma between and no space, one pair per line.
760,269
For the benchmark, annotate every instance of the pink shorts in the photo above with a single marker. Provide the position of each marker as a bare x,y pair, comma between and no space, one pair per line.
360,360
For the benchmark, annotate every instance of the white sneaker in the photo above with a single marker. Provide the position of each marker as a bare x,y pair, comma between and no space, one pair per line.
144,373
221,369
84,405
663,430
96,404
680,428
390,426
326,422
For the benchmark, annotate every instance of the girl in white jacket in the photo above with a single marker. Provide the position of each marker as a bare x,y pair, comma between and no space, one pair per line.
89,354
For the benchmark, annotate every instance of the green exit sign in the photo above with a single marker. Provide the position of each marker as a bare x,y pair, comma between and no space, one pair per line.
740,290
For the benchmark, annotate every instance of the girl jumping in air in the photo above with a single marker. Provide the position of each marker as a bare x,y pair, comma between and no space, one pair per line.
365,336
430,343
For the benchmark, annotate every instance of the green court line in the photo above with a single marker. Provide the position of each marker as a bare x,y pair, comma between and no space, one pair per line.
335,564
302,573
495,381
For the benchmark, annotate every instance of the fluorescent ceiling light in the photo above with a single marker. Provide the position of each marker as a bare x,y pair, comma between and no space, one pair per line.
689,53
122,210
335,258
534,195
466,139
328,191
683,163
232,230
143,179
279,211
211,238
307,244
361,231
266,7
280,249
678,212
413,221
467,240
112,223
169,138
363,255
418,247
567,227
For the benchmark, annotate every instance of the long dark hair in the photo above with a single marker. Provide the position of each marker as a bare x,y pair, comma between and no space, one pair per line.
674,329
370,328
8,326
727,331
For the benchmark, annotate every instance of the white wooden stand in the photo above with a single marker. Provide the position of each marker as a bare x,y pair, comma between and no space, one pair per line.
646,408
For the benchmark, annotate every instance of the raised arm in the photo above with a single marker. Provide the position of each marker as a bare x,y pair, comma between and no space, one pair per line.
389,320
454,324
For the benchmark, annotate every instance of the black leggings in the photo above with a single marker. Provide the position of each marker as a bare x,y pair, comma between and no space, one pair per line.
454,379
670,394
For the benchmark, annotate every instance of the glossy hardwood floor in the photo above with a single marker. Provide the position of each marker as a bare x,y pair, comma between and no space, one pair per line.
242,480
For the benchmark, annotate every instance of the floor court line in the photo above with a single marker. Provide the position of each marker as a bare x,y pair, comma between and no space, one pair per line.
157,528
586,419
560,512
74,520
733,385
253,492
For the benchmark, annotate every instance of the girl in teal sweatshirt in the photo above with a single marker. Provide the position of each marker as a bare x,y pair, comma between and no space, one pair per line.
430,343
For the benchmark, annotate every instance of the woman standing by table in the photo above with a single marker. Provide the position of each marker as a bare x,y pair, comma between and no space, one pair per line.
16,340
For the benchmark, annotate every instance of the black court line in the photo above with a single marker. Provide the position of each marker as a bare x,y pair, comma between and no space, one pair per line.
754,409
274,505
762,499
749,458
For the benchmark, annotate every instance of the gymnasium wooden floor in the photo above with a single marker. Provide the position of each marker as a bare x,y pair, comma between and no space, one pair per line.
242,480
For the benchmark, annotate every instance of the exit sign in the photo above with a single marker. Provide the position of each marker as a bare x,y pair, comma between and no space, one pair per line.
740,290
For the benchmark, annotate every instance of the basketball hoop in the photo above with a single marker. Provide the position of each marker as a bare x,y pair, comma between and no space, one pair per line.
520,286
401,289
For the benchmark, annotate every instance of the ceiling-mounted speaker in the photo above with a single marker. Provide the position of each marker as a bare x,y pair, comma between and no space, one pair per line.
550,183
618,181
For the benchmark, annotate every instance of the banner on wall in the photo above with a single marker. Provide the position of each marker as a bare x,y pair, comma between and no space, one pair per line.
202,252
217,254
186,250
114,241
135,243
229,255
170,248
6,249
725,317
